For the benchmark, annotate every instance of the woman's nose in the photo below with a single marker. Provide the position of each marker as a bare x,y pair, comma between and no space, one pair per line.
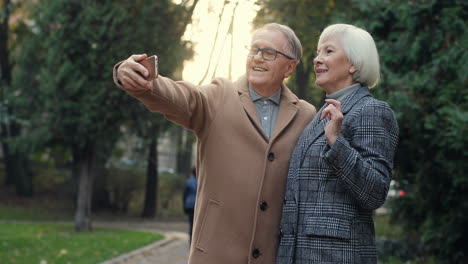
317,59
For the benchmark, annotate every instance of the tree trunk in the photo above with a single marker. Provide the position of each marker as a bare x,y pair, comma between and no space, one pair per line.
23,175
150,206
17,169
302,79
83,159
184,152
9,160
5,81
5,66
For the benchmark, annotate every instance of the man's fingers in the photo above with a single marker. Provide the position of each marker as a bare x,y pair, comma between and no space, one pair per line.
129,83
133,70
137,82
141,69
132,65
138,57
132,74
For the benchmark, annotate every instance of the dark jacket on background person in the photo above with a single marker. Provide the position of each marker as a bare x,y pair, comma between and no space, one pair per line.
190,193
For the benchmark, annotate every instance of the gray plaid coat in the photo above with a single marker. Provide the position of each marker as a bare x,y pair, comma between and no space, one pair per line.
332,192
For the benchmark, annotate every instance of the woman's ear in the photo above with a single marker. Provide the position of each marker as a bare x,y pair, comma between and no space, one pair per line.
352,69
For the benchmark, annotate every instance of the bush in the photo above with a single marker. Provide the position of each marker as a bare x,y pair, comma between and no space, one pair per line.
123,185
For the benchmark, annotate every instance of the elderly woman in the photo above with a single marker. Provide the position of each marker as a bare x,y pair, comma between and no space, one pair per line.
341,166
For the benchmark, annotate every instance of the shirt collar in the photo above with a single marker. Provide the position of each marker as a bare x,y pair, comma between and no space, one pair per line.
275,98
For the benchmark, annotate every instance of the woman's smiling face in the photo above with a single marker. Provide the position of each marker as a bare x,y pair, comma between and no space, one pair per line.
332,68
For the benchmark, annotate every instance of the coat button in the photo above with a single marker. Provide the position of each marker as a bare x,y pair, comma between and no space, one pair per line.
271,156
255,253
263,206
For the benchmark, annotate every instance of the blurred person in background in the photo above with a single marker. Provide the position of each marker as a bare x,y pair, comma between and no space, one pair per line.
246,131
341,166
189,197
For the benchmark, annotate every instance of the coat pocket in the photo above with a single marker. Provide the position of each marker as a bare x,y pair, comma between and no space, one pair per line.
208,226
328,226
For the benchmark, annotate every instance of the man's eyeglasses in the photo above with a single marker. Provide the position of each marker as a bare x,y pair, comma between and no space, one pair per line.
268,54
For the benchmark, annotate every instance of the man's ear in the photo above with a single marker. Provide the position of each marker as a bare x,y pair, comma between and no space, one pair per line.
352,69
291,67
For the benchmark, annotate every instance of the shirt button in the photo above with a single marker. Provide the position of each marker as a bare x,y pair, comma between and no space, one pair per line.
281,232
265,118
263,206
265,102
284,200
255,253
271,156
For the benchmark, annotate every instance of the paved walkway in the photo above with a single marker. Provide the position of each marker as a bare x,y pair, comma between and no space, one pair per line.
173,249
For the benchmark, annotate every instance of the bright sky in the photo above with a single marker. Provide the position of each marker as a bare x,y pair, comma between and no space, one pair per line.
202,33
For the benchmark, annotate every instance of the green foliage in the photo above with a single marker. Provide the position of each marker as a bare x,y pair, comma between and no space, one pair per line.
123,186
64,55
171,194
385,228
55,244
169,200
126,189
63,80
423,52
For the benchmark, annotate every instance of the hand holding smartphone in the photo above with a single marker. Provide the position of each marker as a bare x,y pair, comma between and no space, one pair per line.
151,64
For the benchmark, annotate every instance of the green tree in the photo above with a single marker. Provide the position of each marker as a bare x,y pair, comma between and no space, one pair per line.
73,47
17,164
423,50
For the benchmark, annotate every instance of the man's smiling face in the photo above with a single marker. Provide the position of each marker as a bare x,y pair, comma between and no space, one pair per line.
268,75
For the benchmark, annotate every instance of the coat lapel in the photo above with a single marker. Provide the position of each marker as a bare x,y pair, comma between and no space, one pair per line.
287,111
352,99
318,126
249,106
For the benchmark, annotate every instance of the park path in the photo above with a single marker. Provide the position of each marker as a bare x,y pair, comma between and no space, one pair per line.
173,249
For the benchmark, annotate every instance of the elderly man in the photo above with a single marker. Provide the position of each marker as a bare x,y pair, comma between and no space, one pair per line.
246,132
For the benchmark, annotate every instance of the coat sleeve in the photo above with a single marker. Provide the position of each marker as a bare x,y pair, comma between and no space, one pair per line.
189,105
363,157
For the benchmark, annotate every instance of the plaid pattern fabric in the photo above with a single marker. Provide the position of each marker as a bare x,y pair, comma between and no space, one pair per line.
332,192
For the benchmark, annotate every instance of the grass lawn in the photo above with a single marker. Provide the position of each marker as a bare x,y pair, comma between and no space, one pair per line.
34,213
385,229
57,244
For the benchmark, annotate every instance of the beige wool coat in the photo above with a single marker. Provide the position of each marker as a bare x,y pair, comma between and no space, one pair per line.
241,173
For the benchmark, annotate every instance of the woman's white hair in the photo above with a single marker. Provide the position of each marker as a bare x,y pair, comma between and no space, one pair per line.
360,49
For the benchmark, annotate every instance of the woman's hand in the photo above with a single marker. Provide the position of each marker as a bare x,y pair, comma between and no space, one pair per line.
333,127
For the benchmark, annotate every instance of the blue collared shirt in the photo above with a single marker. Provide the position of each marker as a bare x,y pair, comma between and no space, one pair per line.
267,109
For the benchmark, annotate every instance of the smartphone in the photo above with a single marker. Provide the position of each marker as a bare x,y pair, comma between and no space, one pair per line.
151,64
